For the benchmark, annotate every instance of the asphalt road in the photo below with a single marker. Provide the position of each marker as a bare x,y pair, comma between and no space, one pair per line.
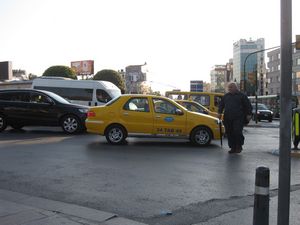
140,180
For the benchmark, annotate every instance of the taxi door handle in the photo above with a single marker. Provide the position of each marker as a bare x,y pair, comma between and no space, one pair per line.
125,114
157,117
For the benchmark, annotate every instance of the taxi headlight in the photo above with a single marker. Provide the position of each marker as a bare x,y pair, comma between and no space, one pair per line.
218,121
83,110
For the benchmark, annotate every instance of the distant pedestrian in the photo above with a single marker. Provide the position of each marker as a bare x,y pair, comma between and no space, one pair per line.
237,111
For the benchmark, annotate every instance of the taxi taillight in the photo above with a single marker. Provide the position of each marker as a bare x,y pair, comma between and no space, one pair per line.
91,114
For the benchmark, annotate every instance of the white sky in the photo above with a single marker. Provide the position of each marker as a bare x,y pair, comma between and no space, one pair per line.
179,39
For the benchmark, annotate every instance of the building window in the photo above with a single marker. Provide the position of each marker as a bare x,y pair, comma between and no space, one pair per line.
278,55
298,61
297,74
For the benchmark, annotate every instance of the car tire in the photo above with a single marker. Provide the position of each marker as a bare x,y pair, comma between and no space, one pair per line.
270,120
71,124
3,123
17,126
115,134
201,136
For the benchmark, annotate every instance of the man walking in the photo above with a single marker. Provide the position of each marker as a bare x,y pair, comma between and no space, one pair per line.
237,108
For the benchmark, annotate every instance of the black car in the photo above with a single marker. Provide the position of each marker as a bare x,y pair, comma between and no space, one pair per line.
28,107
263,113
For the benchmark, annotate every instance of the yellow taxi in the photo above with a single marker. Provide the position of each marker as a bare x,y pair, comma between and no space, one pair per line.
143,115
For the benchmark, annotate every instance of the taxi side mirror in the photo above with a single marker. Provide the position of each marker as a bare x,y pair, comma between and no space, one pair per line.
179,112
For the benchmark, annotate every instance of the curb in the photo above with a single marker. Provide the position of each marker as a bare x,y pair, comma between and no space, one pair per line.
104,218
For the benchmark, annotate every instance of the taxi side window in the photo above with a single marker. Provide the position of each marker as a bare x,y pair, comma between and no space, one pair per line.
137,104
195,108
163,106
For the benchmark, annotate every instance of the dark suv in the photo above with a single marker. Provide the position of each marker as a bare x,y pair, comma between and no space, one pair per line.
263,113
28,107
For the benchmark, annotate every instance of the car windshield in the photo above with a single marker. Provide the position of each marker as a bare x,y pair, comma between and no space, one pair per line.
260,107
57,97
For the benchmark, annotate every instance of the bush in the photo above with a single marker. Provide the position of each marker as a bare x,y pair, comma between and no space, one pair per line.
60,71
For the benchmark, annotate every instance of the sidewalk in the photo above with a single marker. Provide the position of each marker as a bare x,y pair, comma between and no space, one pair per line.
245,216
21,209
264,124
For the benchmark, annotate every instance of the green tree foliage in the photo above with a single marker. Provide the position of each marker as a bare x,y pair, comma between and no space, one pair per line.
112,76
60,71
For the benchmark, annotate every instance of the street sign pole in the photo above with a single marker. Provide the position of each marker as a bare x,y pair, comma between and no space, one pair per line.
284,178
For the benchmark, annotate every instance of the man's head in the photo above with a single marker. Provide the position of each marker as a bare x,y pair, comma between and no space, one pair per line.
232,88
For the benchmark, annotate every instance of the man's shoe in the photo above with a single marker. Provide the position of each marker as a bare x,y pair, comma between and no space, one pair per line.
232,150
239,149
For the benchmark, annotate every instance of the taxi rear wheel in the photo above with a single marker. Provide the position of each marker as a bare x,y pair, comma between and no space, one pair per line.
201,136
115,134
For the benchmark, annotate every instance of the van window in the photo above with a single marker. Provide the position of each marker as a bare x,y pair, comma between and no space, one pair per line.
15,96
81,94
102,96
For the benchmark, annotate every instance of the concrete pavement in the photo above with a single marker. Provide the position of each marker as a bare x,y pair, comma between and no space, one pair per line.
21,209
244,216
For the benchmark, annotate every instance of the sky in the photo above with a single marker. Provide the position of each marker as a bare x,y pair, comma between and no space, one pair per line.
181,40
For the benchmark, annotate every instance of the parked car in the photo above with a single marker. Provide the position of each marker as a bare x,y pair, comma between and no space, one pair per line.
263,113
147,115
28,107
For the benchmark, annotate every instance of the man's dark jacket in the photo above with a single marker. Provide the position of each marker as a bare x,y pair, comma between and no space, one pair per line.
235,106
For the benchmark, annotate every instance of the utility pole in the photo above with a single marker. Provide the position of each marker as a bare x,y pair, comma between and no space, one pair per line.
284,178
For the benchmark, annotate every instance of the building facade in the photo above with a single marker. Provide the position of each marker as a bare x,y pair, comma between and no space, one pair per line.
273,74
218,76
196,85
135,79
6,72
255,64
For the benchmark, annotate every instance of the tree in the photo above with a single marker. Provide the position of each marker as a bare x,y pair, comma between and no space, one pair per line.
111,76
60,71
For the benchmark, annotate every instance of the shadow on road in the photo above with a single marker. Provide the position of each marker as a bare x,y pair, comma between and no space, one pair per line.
35,132
152,144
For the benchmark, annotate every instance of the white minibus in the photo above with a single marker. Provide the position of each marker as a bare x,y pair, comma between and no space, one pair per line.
82,92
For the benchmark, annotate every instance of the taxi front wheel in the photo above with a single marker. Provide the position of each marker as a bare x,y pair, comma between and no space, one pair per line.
115,134
201,136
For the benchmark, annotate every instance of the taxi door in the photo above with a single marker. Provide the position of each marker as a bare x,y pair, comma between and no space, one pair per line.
169,120
136,116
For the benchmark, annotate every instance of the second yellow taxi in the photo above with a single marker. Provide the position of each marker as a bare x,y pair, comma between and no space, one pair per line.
144,115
